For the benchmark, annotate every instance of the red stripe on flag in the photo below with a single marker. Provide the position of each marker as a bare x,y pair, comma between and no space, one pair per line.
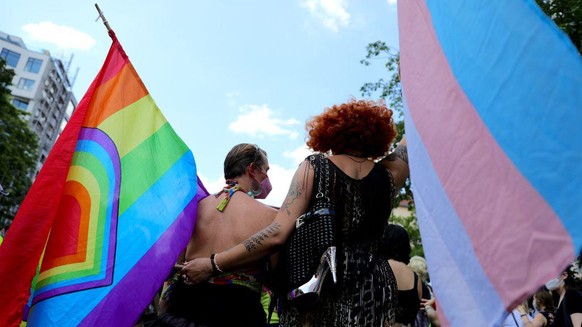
25,241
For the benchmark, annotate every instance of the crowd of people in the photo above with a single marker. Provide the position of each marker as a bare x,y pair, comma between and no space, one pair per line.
222,277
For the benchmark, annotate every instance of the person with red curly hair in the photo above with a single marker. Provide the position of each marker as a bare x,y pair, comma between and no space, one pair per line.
351,137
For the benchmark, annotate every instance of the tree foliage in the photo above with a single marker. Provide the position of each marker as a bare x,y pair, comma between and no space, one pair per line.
390,89
18,150
410,223
567,14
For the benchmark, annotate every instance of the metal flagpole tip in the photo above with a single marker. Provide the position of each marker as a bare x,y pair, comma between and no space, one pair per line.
105,22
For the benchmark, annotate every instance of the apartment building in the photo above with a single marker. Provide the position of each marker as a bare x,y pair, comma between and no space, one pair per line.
41,86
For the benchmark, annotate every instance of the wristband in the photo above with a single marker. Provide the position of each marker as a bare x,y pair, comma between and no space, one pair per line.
215,269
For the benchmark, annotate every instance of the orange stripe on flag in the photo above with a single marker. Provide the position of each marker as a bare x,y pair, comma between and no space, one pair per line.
117,93
80,194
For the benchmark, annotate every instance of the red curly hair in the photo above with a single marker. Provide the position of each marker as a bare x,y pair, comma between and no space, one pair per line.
359,127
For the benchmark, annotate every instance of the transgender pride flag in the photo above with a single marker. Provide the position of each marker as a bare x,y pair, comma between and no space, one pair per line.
494,113
107,216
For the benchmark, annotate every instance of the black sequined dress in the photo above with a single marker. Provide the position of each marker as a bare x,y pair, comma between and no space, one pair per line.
366,291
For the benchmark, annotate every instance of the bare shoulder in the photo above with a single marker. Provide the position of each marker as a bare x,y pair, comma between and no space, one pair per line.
398,266
205,209
251,208
404,275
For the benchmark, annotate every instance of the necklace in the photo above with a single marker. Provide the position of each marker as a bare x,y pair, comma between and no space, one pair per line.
231,187
356,161
359,162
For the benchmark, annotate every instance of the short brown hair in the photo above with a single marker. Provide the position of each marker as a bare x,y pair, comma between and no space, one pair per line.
359,127
544,297
240,157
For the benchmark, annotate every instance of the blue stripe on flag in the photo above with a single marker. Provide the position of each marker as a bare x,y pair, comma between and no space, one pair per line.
524,78
451,259
138,229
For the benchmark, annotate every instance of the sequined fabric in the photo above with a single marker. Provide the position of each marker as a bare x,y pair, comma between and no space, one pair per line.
366,291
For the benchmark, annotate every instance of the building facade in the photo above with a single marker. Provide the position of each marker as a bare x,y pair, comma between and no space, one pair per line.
41,87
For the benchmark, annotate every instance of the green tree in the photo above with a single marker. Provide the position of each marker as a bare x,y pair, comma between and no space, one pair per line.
567,14
390,89
18,150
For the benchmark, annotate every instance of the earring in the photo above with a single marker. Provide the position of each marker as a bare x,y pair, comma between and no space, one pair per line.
254,192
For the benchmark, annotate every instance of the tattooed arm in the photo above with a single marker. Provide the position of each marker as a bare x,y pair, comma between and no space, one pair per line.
266,241
397,163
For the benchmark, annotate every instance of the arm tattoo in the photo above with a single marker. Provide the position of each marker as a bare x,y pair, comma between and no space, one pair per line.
253,242
401,153
295,190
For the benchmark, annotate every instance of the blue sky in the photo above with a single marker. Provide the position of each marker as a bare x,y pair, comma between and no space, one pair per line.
223,72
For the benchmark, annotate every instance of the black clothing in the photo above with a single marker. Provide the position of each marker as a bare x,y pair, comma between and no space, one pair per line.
210,305
408,304
571,303
366,290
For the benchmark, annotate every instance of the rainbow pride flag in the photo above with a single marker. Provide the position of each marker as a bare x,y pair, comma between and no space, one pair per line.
493,112
108,214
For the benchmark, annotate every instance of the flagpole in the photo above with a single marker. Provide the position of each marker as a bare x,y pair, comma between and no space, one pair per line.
105,22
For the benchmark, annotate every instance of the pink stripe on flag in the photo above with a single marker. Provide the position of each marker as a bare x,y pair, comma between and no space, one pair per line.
509,223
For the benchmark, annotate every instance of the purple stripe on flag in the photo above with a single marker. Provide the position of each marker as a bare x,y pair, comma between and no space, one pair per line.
123,305
103,140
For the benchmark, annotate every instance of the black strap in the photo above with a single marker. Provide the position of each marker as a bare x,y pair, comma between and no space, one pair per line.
516,324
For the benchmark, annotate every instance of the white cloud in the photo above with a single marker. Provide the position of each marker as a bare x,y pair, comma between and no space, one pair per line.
63,36
259,121
331,13
212,186
298,155
391,2
280,179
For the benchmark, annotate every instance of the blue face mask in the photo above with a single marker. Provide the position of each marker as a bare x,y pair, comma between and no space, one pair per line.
554,283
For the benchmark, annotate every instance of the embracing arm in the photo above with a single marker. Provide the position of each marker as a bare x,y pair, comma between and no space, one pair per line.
397,163
576,319
266,241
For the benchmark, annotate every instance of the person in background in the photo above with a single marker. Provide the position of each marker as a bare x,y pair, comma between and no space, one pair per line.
514,318
544,306
418,265
355,134
223,220
429,307
568,287
397,247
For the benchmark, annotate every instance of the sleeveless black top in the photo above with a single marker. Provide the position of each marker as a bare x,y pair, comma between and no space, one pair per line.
408,304
365,294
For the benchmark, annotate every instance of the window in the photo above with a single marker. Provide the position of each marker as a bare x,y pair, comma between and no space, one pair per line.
11,57
20,104
33,65
70,109
25,84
